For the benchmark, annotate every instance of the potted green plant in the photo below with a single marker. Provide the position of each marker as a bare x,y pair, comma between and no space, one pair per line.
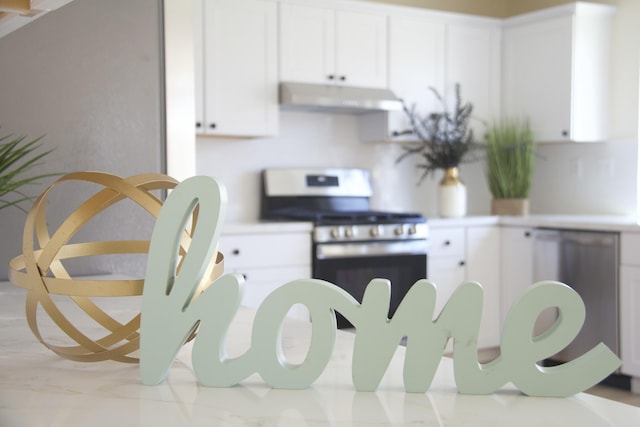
445,138
510,159
18,156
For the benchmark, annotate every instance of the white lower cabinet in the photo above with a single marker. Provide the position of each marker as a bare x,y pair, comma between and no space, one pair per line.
446,262
629,299
268,261
483,266
516,271
459,254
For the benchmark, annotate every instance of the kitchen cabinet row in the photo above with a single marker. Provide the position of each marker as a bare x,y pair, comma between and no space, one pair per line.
527,65
499,257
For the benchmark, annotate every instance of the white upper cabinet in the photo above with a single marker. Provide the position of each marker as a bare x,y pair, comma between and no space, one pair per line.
473,60
438,50
556,71
416,62
239,80
327,45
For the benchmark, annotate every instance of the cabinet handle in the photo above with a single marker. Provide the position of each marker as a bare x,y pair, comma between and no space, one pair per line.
447,243
236,251
198,125
461,263
244,276
527,234
212,125
343,78
565,133
331,77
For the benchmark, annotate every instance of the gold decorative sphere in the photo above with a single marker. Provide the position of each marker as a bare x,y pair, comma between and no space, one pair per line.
41,272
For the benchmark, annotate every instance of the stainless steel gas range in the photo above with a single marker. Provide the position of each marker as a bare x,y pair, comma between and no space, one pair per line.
352,244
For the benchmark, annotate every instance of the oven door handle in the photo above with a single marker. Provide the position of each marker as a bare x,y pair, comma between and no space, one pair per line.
356,250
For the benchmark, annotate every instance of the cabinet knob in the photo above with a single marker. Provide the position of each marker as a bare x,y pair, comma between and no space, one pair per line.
198,125
212,125
236,252
447,242
527,234
565,133
461,263
331,77
343,78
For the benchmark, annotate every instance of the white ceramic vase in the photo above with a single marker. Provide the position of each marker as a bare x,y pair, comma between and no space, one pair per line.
452,195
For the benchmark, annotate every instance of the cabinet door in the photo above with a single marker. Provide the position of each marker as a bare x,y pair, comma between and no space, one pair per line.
307,41
416,62
630,319
483,266
198,61
516,268
446,262
240,67
537,76
361,49
473,60
447,274
325,45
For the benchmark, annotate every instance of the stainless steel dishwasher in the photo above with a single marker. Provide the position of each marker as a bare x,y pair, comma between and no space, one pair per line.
587,261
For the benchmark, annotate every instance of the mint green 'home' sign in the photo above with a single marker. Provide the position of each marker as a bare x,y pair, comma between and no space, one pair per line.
172,309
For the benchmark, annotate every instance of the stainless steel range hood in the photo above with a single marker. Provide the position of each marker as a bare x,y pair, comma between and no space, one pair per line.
337,99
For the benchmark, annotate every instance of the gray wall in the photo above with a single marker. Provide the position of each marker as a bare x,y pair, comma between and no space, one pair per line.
88,77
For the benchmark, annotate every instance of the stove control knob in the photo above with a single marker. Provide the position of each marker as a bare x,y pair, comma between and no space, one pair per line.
350,232
336,233
412,230
375,231
399,230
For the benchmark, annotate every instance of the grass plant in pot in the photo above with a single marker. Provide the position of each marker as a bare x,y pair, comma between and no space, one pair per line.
445,138
18,157
510,160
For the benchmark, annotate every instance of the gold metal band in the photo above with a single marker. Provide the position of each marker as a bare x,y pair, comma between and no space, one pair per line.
40,269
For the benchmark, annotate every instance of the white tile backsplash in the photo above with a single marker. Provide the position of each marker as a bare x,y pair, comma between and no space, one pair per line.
568,178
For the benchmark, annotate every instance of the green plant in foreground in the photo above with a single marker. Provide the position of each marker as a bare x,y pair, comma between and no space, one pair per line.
510,159
18,156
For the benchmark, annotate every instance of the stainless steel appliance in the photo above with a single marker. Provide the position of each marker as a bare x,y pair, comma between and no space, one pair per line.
352,244
588,262
337,98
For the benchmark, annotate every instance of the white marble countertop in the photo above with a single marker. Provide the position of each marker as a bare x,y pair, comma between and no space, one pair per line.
267,227
38,388
578,222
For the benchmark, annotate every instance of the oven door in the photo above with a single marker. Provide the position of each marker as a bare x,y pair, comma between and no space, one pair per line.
353,265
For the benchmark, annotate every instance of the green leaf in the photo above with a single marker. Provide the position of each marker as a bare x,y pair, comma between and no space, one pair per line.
19,157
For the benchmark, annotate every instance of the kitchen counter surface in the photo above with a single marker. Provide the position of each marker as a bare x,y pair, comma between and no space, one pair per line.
38,388
578,222
267,227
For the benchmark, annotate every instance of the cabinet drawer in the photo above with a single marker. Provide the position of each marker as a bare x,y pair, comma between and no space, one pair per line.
265,250
630,249
260,282
447,242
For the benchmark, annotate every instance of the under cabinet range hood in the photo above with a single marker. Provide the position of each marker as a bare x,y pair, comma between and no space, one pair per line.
337,99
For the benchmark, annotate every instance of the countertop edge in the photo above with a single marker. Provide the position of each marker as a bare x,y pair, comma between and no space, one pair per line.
616,223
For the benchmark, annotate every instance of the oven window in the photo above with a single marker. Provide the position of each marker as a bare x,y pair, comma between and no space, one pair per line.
354,274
